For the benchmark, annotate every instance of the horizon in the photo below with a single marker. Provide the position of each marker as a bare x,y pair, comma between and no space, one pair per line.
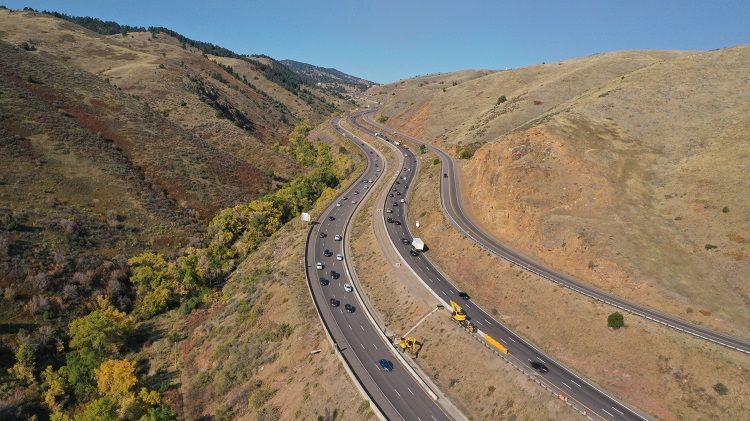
446,38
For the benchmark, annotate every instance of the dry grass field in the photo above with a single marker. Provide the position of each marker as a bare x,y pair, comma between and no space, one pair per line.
631,179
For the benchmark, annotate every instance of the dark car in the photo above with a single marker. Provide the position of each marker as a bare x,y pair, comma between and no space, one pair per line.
390,195
539,367
323,281
334,274
464,295
331,218
413,252
398,193
395,203
328,253
323,235
386,365
397,222
405,240
334,302
349,308
390,220
445,175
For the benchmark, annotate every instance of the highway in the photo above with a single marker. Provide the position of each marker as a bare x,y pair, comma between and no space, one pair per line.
358,340
579,392
450,198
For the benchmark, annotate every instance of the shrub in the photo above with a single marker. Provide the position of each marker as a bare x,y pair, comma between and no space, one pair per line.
501,99
726,209
710,246
383,119
721,389
436,161
9,222
616,320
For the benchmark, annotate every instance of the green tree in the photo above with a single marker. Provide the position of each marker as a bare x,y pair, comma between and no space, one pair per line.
501,99
23,369
721,389
616,320
104,329
383,118
9,222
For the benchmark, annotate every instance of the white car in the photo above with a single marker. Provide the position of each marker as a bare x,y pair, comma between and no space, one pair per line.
365,186
318,266
337,237
389,210
338,204
339,257
347,288
403,201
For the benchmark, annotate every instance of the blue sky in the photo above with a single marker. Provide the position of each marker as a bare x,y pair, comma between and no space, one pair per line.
387,40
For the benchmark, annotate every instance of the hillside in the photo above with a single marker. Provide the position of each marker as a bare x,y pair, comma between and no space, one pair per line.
138,172
332,78
623,169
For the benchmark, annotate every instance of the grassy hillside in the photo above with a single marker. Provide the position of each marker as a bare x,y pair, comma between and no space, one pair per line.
138,172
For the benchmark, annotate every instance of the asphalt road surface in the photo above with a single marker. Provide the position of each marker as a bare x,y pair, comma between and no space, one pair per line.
582,394
450,198
363,345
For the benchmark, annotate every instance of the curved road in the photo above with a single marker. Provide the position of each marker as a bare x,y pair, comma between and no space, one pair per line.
450,197
396,393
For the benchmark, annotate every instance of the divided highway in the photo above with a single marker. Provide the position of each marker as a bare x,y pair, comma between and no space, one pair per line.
582,394
396,393
450,197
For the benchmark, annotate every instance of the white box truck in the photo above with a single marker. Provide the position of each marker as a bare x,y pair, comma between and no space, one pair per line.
418,244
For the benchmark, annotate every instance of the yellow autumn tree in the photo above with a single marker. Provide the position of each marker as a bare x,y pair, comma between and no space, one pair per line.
115,378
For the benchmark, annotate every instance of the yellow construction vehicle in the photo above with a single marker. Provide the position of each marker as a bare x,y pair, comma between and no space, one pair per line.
411,344
457,312
459,316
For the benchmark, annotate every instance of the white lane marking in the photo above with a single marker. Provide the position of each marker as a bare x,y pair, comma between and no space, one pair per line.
574,382
566,385
610,414
375,346
350,327
397,392
409,390
511,339
478,322
452,291
362,345
363,328
467,306
621,413
543,362
488,322
442,291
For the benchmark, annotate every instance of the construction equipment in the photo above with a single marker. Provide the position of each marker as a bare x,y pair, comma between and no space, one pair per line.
497,344
459,316
411,344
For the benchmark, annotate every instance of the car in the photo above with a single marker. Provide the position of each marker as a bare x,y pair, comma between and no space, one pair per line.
390,220
323,281
339,257
338,204
318,265
395,203
378,170
335,275
365,187
347,288
398,193
464,295
386,365
406,155
403,200
413,252
376,165
345,198
397,182
397,222
389,210
539,367
349,308
328,253
405,240
445,175
390,194
322,235
334,302
331,218
354,201
356,192
337,237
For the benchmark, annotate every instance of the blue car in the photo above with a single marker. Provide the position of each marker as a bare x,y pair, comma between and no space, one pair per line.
386,365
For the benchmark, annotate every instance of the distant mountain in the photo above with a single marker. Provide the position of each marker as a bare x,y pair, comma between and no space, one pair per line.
328,76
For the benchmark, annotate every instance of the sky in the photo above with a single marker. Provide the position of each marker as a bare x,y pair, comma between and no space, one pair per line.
388,40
